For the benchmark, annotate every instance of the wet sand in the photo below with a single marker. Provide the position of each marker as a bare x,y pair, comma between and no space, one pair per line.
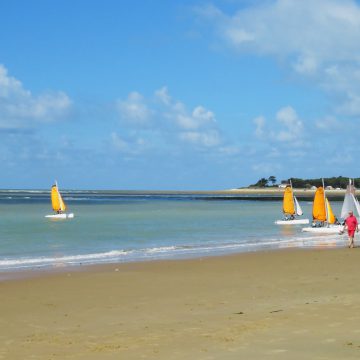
292,304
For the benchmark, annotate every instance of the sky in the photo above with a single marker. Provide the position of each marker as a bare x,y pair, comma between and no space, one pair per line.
177,95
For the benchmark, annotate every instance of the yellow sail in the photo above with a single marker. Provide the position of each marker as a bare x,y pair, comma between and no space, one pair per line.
319,211
56,199
288,202
331,217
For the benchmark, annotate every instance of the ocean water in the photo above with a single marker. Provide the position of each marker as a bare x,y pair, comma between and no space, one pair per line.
128,226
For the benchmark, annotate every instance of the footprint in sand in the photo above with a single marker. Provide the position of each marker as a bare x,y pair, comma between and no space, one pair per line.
328,341
277,351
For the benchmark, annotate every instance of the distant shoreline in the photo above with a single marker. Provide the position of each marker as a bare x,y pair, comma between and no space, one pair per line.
272,193
279,192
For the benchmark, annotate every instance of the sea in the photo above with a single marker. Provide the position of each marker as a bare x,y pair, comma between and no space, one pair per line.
128,226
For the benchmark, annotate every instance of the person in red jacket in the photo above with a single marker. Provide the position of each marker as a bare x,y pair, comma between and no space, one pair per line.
351,224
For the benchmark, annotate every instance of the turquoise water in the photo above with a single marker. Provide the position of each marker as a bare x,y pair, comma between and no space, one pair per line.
113,227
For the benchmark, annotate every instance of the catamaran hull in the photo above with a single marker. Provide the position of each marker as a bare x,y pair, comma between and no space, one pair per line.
292,222
335,229
60,216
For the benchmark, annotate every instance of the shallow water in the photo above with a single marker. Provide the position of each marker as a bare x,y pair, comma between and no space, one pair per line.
120,226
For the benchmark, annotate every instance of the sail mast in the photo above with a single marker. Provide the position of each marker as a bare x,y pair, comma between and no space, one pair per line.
293,197
326,210
291,187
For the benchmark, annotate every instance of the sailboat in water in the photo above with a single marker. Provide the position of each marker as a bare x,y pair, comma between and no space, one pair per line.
324,220
58,205
291,208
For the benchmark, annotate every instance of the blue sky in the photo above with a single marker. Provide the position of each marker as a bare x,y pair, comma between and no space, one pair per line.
183,95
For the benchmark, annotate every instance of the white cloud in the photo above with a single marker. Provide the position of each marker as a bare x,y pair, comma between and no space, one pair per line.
203,116
163,95
134,110
288,127
239,36
328,123
199,117
170,118
329,29
317,39
198,127
291,125
132,147
20,108
260,126
185,122
9,86
351,106
209,138
306,65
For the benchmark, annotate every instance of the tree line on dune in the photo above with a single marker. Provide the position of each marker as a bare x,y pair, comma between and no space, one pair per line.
335,182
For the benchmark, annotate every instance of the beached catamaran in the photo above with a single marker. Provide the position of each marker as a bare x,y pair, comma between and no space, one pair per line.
291,208
329,225
58,205
324,220
350,203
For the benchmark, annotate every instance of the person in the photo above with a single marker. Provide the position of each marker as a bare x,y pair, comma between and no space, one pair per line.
351,224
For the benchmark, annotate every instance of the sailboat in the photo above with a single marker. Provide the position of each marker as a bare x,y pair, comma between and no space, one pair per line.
58,205
291,208
324,220
350,203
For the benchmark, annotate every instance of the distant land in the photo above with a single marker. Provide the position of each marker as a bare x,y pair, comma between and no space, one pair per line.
270,189
276,193
339,182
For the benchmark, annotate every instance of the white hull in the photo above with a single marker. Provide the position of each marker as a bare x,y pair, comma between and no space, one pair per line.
292,222
332,229
60,216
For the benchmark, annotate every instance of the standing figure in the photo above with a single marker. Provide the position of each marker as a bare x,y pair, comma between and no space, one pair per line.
351,224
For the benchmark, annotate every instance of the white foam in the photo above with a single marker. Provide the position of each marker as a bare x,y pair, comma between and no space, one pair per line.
210,248
7,263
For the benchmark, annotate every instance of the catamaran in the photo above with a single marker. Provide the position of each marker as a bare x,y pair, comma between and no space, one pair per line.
58,205
350,203
324,220
291,208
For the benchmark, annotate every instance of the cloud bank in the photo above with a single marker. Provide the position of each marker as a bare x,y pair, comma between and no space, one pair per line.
318,40
19,108
170,119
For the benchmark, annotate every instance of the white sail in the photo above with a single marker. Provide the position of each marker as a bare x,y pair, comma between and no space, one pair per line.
357,205
298,209
350,202
348,205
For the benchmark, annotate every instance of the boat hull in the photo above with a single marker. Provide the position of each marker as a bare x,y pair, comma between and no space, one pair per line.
292,222
60,216
334,229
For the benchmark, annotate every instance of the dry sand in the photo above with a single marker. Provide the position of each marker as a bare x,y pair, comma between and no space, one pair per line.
293,304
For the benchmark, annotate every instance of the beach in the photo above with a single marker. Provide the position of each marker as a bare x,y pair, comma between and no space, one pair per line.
285,304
